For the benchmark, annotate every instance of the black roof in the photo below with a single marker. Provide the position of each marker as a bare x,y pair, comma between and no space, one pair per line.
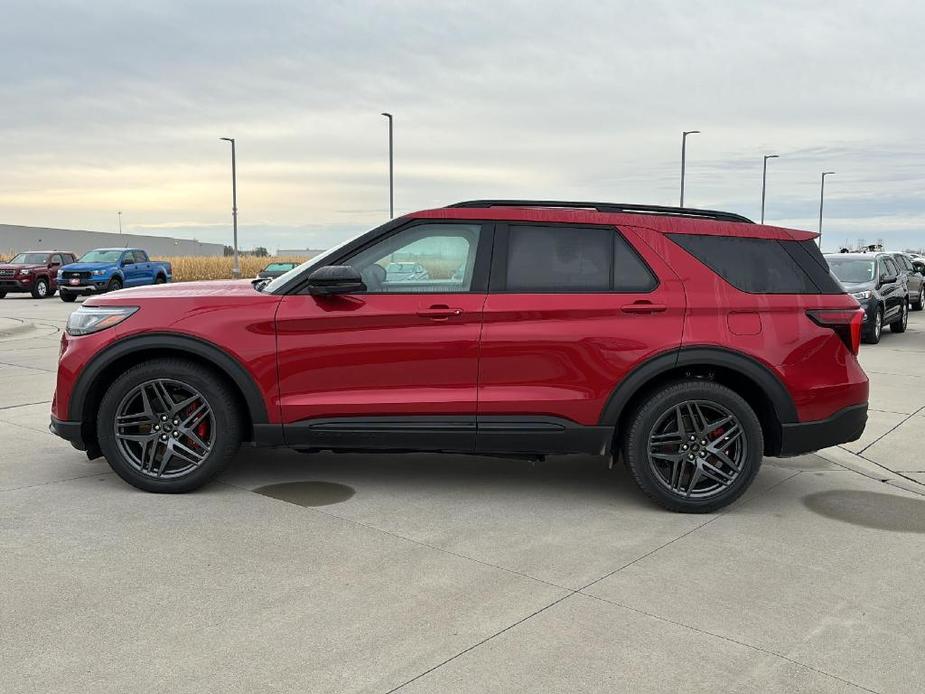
689,212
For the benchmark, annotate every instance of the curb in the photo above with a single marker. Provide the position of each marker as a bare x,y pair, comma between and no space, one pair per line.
10,327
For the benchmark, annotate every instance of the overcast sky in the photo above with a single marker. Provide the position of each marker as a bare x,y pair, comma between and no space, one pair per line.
109,106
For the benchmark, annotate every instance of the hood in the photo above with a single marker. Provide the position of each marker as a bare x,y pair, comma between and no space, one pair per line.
22,266
180,290
852,287
85,267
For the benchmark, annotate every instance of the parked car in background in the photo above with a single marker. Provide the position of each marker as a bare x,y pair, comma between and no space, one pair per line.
274,270
110,269
405,272
688,343
875,280
35,272
915,279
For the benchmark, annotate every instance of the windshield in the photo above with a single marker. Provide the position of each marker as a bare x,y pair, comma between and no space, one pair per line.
101,256
852,270
30,259
276,267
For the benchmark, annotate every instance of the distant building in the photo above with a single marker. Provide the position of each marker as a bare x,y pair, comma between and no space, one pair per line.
304,253
14,238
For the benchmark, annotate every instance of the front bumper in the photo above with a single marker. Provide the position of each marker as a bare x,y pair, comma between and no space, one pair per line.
843,426
72,432
92,287
11,286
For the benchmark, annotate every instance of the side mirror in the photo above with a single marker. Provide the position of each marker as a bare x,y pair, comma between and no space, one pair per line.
335,279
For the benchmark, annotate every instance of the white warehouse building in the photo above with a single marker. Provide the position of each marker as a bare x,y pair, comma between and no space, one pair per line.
15,238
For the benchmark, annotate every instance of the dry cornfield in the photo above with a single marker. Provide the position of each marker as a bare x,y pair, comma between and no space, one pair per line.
191,268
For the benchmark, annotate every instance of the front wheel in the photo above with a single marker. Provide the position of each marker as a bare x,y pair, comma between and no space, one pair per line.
168,425
2,295
115,284
40,288
694,446
67,297
872,336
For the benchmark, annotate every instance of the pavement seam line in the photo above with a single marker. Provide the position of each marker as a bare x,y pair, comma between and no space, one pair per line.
908,417
485,640
24,404
719,515
28,368
729,639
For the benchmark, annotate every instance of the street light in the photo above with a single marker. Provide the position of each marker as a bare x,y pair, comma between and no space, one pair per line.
120,224
391,179
764,181
684,158
236,270
821,200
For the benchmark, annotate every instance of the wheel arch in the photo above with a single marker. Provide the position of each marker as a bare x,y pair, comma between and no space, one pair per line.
748,377
106,365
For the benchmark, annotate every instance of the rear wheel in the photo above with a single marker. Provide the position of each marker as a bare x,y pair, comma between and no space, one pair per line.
919,301
159,279
67,297
168,425
899,325
40,288
694,446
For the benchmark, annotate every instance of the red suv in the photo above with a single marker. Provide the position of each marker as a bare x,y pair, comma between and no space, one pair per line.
688,342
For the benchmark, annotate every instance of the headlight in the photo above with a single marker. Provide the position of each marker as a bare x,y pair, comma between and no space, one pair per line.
91,319
25,272
861,296
99,272
60,274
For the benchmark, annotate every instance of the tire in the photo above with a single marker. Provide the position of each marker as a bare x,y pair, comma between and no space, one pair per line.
2,295
115,284
218,433
679,461
67,297
41,289
872,336
919,303
899,325
159,279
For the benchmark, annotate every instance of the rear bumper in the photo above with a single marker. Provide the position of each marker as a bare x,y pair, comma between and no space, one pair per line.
843,426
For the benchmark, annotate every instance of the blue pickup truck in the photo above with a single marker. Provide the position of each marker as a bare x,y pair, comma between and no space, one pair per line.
109,269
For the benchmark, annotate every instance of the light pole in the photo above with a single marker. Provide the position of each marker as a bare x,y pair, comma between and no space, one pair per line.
236,270
764,181
822,200
684,158
391,178
120,224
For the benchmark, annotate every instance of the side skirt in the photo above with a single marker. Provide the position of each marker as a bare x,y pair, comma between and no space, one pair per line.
501,435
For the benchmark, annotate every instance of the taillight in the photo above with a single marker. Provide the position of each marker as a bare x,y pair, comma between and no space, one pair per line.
846,322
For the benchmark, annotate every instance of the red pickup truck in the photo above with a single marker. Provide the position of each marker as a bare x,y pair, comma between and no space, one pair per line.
35,272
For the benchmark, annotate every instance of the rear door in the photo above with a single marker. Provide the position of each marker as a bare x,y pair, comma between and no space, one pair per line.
394,366
571,310
892,288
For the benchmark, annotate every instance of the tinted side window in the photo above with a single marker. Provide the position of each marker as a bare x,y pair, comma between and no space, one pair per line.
55,259
757,266
890,267
573,259
904,262
140,256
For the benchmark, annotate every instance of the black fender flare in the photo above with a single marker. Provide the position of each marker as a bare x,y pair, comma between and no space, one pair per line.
696,356
225,363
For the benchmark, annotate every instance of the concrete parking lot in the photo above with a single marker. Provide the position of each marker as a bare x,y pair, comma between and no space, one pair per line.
424,573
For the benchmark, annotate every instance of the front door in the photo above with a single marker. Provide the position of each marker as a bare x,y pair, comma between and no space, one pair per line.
395,366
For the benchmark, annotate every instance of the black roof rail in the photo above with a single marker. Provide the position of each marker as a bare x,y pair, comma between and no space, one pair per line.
690,212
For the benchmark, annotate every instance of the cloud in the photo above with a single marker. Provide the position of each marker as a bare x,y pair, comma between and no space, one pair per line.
113,105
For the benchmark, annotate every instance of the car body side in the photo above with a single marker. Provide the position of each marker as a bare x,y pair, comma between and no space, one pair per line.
570,365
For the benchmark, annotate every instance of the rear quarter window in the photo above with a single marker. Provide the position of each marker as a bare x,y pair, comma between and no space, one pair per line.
763,266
